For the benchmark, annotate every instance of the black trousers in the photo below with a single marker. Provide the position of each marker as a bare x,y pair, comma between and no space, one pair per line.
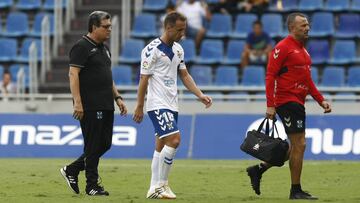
97,130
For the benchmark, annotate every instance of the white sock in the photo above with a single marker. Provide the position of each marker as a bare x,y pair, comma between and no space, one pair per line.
167,155
155,169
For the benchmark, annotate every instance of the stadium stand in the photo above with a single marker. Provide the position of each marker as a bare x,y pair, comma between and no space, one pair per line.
145,26
333,77
122,75
130,51
253,76
211,52
243,25
17,25
226,75
220,26
28,4
322,24
202,75
189,49
319,51
8,49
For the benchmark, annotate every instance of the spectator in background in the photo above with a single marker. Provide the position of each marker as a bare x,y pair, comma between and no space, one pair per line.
195,12
169,8
6,84
257,47
255,6
228,7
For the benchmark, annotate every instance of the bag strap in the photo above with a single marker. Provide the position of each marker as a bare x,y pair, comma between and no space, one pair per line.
267,127
274,128
261,125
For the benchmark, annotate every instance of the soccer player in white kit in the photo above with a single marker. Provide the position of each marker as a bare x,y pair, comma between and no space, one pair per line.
161,61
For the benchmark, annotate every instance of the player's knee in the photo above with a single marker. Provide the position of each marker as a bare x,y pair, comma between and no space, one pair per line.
299,146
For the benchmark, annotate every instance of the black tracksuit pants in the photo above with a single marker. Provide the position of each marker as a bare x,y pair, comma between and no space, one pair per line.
97,130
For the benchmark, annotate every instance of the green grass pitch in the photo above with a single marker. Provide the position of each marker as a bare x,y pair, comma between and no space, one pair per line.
39,180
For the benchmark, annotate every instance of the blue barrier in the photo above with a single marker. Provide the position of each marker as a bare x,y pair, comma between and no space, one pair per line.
213,136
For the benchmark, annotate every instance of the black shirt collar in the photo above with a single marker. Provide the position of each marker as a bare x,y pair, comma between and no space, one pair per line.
91,41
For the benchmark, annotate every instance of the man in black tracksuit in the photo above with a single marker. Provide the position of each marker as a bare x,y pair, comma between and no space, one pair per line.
93,92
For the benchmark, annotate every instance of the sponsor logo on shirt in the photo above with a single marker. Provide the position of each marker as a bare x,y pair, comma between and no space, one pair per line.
168,82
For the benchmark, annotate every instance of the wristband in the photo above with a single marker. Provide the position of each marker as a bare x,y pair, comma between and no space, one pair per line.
118,97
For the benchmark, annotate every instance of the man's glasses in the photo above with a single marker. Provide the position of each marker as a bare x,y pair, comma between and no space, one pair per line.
106,26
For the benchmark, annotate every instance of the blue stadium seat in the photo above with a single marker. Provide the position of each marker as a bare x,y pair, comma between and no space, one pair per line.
189,50
344,51
227,75
233,52
253,76
144,26
8,49
5,4
349,26
310,5
17,25
333,77
122,75
355,5
354,76
202,75
243,25
272,24
28,4
337,5
24,50
131,51
319,51
36,30
220,26
14,69
1,70
315,74
322,24
211,52
155,5
50,4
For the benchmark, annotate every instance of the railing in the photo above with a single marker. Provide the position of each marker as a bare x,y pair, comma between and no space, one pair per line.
58,26
45,48
114,41
70,14
125,20
33,69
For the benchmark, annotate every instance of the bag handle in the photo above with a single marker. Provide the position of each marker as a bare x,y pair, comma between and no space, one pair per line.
267,127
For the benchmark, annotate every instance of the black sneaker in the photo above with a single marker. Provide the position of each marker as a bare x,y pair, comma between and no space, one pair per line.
301,195
72,180
255,177
96,190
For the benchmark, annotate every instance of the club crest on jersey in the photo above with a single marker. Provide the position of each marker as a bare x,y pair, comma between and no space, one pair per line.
179,54
276,53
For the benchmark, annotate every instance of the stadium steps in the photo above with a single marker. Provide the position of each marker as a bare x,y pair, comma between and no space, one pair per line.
57,79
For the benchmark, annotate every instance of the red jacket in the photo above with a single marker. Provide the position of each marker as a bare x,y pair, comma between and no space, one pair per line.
288,75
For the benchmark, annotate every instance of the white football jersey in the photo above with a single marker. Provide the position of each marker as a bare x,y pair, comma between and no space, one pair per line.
162,62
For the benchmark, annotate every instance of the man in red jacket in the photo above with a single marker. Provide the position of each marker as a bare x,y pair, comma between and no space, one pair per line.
288,82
